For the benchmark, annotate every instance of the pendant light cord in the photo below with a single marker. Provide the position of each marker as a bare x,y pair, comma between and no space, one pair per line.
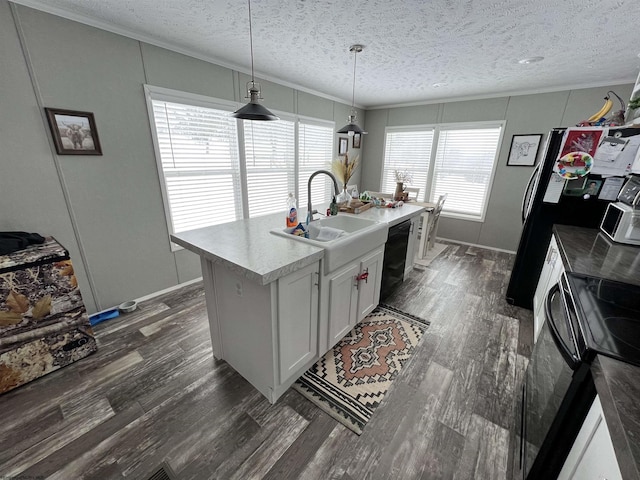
253,80
353,91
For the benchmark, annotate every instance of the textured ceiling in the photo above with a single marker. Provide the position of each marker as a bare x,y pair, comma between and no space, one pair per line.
473,46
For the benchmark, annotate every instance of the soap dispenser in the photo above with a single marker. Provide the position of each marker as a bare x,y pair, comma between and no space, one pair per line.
333,207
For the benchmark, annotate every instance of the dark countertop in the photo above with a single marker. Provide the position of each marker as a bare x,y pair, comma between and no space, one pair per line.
618,386
590,252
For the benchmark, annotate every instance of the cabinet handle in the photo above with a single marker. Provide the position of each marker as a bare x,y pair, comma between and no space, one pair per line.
363,276
317,282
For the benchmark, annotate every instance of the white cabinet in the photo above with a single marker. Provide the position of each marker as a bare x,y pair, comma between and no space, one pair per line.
343,302
592,456
267,333
369,287
297,321
412,245
551,272
348,295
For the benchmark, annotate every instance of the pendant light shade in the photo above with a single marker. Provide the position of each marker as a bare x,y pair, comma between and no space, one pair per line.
253,110
352,127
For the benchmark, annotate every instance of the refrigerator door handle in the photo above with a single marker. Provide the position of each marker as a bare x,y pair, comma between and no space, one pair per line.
528,192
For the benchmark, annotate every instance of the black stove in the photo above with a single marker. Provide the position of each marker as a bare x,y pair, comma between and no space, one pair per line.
608,315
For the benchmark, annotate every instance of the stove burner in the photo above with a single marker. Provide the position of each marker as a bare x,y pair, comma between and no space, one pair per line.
624,329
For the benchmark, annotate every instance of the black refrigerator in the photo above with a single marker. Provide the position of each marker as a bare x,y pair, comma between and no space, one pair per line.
538,218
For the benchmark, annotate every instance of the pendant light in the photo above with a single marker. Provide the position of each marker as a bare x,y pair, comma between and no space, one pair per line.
253,110
352,127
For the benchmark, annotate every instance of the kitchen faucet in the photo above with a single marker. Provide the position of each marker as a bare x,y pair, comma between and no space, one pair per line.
310,210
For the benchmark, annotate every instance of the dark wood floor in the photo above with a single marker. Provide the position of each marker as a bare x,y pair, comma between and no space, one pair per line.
153,392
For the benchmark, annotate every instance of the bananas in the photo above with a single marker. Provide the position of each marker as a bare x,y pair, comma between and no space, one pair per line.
606,108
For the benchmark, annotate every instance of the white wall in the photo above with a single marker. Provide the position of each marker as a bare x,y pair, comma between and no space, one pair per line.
107,210
523,114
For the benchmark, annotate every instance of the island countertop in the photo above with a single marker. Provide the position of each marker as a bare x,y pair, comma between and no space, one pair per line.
247,246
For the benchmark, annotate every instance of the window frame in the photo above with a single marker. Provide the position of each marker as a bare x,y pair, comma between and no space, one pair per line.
318,123
162,94
437,128
244,174
152,92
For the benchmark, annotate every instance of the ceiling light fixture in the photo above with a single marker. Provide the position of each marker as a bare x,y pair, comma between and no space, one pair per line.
253,110
352,127
529,60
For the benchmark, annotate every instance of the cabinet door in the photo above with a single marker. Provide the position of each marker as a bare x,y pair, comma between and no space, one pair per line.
411,246
297,320
550,262
592,456
343,302
369,289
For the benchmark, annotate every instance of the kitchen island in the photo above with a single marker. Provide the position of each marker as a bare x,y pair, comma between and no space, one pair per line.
269,302
590,252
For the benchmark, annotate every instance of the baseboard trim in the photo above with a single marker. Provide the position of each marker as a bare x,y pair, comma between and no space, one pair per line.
156,294
168,290
476,245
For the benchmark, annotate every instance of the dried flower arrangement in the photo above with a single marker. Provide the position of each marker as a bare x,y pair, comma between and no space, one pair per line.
403,176
343,168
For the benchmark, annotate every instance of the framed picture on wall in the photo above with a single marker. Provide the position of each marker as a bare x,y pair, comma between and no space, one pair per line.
74,133
357,138
343,145
524,150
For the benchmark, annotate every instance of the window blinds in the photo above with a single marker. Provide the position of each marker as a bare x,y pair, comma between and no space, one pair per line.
198,149
315,150
463,167
410,151
270,158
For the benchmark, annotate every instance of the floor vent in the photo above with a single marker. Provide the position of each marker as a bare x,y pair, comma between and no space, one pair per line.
163,472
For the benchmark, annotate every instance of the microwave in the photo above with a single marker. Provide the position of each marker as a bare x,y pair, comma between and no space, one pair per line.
621,223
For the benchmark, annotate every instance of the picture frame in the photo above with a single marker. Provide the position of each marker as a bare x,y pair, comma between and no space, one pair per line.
524,150
343,145
73,132
357,140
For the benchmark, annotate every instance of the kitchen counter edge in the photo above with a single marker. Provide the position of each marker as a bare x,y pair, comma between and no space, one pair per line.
248,248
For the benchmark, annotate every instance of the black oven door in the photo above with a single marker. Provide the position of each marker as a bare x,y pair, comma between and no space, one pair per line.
553,380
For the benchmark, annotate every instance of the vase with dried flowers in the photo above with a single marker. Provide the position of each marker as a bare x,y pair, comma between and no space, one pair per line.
343,169
402,177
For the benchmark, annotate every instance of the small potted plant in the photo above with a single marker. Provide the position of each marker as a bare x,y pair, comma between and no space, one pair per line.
402,177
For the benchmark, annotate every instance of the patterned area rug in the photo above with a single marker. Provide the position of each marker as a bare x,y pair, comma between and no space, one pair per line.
350,380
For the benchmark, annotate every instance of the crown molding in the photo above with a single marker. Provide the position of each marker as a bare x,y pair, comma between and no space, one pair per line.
92,22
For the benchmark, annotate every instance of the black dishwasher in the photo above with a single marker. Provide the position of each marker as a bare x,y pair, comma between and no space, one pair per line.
395,254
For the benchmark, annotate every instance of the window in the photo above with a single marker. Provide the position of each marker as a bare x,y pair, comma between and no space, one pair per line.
215,168
198,153
410,151
315,145
463,168
453,159
270,158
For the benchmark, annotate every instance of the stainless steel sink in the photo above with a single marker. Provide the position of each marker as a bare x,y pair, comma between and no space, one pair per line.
361,236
